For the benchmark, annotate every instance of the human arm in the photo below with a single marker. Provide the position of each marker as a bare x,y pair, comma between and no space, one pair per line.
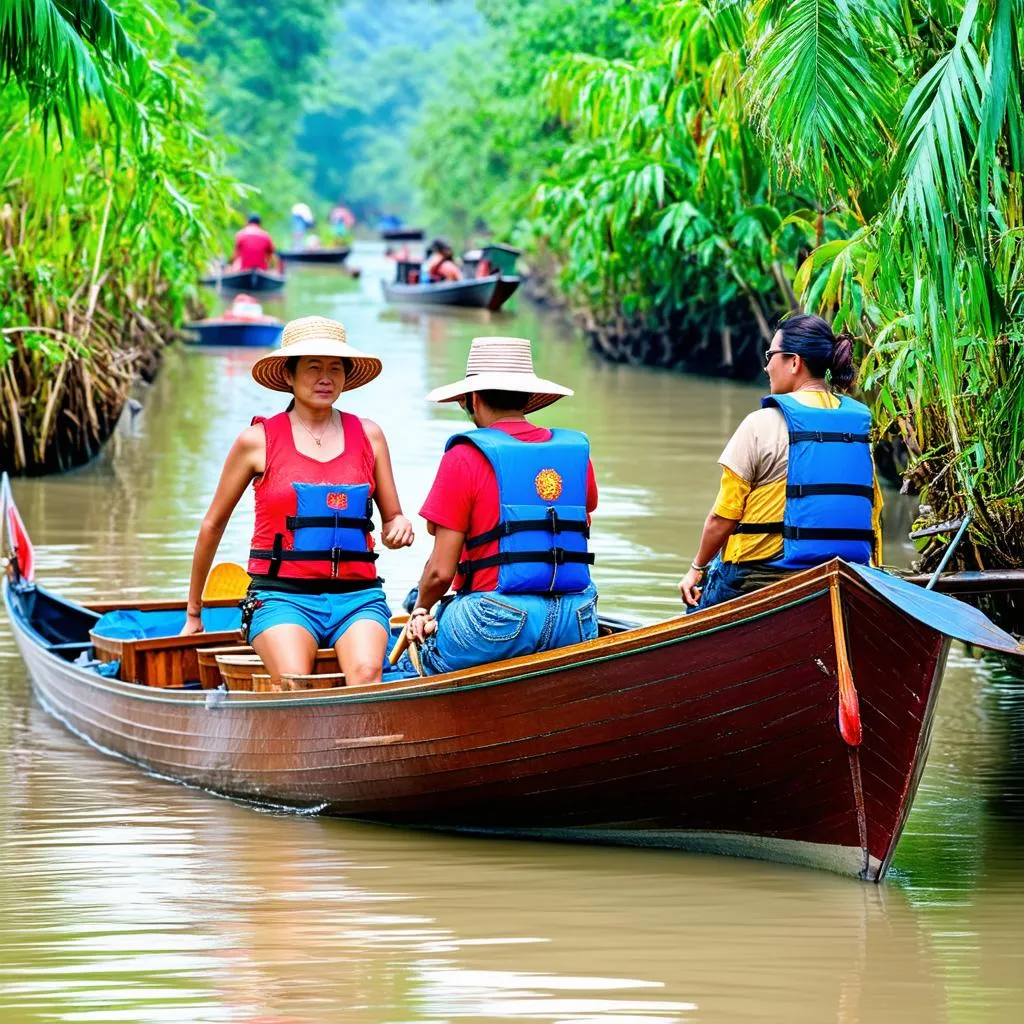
245,461
450,271
437,577
395,530
719,526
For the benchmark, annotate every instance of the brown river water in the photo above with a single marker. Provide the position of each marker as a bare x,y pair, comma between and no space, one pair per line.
129,898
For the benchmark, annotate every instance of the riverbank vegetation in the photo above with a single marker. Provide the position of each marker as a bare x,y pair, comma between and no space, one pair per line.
718,163
112,196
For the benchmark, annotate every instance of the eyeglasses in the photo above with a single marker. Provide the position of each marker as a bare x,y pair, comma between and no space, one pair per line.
769,352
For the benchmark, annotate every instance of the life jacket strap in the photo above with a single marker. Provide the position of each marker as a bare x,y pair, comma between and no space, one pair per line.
551,523
556,556
844,436
809,490
804,532
294,523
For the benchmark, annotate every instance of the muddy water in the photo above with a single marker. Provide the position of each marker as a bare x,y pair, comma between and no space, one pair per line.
126,898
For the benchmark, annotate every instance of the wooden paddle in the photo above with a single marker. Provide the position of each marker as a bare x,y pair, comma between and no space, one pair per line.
401,644
226,580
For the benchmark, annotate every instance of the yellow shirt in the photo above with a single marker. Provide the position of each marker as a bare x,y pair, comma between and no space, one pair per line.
754,467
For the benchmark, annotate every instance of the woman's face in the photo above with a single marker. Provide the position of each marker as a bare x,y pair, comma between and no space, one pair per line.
318,381
780,366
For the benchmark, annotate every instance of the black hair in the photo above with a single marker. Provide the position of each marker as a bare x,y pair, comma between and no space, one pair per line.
254,218
505,401
813,340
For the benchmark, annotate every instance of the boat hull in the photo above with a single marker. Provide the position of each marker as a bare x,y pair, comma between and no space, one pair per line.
316,256
253,281
403,234
716,732
236,333
480,293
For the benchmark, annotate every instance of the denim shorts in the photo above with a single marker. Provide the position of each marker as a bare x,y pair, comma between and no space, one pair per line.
325,616
477,628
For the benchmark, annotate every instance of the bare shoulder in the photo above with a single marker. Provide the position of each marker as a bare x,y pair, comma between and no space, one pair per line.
252,439
372,429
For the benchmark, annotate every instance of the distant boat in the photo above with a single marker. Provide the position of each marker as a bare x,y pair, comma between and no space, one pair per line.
493,257
338,255
242,325
245,281
476,293
239,333
402,234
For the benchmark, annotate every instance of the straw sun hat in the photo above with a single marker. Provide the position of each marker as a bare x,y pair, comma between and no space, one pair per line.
314,336
502,364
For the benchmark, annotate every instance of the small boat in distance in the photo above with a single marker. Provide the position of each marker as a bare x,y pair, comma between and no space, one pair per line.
243,324
316,256
791,724
261,281
402,234
478,293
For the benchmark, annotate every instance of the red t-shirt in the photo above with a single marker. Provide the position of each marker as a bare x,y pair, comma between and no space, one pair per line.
253,248
464,496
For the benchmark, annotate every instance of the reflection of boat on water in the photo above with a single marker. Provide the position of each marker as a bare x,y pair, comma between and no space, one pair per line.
791,724
490,292
316,256
260,281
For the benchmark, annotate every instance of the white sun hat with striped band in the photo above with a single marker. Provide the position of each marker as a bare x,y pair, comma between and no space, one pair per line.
314,336
502,364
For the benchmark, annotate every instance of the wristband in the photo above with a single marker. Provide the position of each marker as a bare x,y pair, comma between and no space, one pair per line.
699,568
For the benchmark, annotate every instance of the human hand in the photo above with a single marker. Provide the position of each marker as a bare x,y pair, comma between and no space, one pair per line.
421,625
397,532
690,587
193,624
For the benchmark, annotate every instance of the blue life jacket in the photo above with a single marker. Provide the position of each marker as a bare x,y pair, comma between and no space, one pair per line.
542,528
829,485
332,525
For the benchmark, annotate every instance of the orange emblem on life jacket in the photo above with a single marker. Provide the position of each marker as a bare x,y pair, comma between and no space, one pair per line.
548,484
337,501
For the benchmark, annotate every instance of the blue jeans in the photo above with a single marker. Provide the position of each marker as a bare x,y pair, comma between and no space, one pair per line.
474,629
725,580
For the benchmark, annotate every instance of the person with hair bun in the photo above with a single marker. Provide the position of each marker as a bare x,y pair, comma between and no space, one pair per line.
798,484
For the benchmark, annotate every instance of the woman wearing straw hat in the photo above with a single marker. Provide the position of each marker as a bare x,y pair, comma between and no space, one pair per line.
315,471
510,515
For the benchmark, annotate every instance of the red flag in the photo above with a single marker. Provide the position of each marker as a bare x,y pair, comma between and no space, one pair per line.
17,535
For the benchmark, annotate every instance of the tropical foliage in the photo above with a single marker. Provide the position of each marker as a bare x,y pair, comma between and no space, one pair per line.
860,158
104,226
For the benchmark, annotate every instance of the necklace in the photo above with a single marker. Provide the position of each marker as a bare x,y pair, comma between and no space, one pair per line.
323,432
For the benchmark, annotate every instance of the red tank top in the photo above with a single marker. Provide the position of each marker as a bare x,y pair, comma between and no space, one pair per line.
276,498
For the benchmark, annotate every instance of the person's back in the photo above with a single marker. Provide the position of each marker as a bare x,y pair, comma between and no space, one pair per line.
254,248
510,513
440,266
798,485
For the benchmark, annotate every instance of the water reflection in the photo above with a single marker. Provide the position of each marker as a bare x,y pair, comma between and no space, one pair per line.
127,898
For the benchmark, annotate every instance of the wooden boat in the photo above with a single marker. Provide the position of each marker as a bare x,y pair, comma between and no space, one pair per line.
263,281
791,724
494,256
490,292
316,256
402,234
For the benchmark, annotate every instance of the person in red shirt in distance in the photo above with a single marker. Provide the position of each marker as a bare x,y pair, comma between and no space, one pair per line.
254,248
520,590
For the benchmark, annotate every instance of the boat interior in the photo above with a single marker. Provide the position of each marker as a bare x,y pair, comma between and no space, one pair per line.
145,647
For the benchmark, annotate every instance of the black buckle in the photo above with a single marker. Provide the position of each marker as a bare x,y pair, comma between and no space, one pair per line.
558,556
553,519
847,436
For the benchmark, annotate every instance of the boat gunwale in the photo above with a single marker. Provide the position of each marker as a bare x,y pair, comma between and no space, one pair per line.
803,588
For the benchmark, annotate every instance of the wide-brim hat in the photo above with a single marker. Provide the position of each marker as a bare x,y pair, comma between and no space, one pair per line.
502,364
314,336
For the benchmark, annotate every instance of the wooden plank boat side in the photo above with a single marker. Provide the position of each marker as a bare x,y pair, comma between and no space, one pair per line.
713,731
477,293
